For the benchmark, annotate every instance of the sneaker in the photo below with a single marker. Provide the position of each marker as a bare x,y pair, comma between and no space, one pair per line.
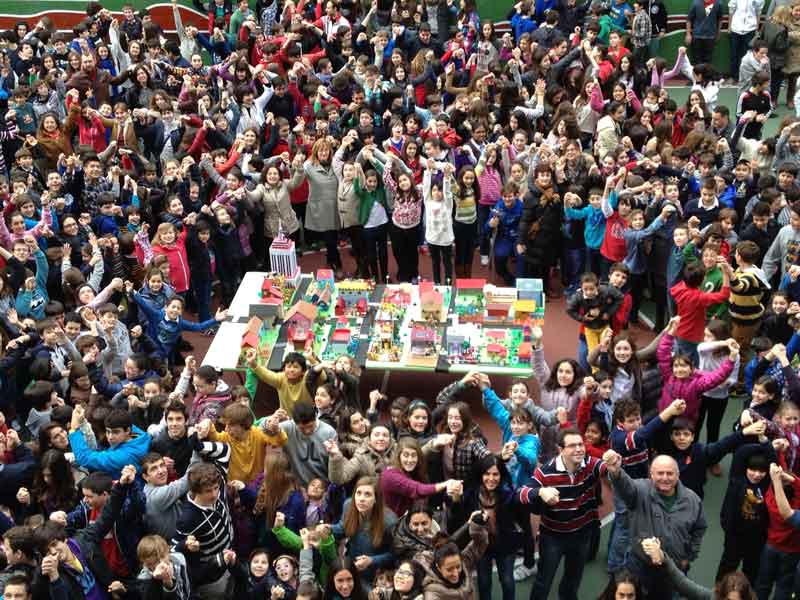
484,260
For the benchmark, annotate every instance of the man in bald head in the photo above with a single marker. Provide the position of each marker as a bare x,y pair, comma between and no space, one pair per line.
660,507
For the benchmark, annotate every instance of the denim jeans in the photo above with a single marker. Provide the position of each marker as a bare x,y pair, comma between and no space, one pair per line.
619,540
777,568
572,261
202,298
574,549
505,572
375,242
583,353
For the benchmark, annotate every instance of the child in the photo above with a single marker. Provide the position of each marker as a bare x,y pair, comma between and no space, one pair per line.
762,403
504,220
167,242
744,516
776,325
630,439
595,228
692,304
676,260
248,443
749,289
593,306
164,573
33,296
438,201
289,383
519,434
635,254
787,418
594,414
168,322
155,292
616,210
713,351
681,380
757,104
693,458
202,265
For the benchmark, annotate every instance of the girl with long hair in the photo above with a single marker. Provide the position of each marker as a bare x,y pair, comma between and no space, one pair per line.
277,492
54,485
466,448
367,525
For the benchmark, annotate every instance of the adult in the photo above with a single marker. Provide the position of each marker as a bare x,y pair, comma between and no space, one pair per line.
661,507
565,492
369,460
702,29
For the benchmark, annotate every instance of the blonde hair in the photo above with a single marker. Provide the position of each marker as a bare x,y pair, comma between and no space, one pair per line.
320,144
162,229
782,15
152,547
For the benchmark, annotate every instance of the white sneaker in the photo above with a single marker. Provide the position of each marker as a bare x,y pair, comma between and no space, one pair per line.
484,260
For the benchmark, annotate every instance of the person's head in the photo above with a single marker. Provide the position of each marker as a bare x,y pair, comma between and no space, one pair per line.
566,374
344,581
238,420
618,275
747,253
380,440
53,435
664,474
154,469
152,550
764,390
39,395
418,417
118,427
628,415
410,460
175,417
447,561
326,397
757,468
459,419
780,302
18,587
304,415
205,380
285,568
716,330
20,545
420,519
571,447
490,473
96,489
294,366
787,415
204,484
408,578
736,585
589,285
693,274
623,584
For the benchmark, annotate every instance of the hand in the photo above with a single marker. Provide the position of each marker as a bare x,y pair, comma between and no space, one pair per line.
332,448
677,407
221,315
561,415
549,495
23,496
276,593
164,571
117,587
78,417
229,556
672,326
203,428
780,445
613,462
192,545
280,520
50,567
128,475
758,428
443,439
652,547
508,450
60,517
363,562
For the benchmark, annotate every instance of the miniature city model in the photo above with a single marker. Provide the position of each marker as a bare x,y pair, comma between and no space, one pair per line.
283,258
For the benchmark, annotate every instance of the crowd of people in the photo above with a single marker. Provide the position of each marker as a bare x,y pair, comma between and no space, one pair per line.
142,174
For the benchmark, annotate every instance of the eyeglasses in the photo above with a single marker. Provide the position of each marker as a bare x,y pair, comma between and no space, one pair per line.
404,573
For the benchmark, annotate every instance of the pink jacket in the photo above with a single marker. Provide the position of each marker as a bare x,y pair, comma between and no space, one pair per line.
688,389
400,491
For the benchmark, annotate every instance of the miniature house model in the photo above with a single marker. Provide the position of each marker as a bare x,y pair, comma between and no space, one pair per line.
300,324
283,259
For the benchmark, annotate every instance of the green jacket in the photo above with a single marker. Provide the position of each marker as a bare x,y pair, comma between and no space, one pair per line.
368,199
292,542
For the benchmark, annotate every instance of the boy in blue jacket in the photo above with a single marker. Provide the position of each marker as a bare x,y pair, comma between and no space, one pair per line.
168,322
630,439
595,228
127,443
504,220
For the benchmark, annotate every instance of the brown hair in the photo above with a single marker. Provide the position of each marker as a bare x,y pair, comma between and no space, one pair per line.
278,483
353,520
420,472
152,547
203,477
238,414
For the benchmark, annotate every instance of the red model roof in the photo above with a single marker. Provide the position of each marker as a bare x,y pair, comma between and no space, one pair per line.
524,350
341,335
425,286
496,349
306,309
470,284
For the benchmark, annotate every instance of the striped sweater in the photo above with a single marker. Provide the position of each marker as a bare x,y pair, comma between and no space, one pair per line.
579,495
749,290
632,446
211,526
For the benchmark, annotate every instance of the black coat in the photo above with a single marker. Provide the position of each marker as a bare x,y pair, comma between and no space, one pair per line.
540,229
